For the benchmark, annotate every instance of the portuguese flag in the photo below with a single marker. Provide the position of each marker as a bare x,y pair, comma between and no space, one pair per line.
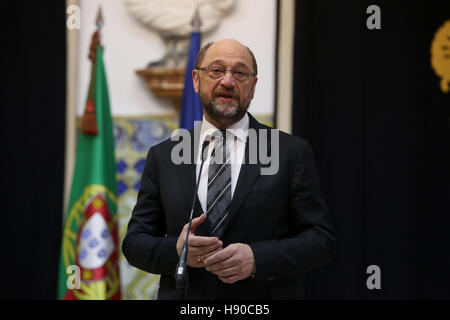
89,266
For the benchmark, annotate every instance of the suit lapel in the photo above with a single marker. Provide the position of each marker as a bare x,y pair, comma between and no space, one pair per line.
188,183
187,180
247,177
187,174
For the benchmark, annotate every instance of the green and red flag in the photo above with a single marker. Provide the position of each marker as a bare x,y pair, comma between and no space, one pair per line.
89,263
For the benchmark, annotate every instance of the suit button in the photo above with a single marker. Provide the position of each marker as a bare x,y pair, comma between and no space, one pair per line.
270,278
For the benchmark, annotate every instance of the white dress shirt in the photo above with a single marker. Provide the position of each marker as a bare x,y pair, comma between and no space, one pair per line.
237,151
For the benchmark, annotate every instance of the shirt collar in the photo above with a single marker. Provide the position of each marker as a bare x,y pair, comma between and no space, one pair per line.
239,129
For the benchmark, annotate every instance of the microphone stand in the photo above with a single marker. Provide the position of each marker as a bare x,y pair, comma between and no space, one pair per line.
181,275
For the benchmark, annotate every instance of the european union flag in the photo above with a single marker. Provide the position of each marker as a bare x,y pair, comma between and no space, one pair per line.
191,107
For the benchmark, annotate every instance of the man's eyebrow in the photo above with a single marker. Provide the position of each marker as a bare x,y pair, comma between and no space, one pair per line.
218,61
237,64
240,64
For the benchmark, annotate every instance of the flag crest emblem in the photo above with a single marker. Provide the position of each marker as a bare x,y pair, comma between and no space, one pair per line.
95,248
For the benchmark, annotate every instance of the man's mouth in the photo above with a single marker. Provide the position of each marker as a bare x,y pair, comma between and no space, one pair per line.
225,97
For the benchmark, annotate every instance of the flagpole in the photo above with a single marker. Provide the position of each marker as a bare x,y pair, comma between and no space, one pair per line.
89,121
71,108
196,22
99,21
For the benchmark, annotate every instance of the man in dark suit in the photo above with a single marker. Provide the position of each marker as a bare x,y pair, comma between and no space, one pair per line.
254,234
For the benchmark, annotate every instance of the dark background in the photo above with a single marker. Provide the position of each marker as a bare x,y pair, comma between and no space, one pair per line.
33,103
367,101
371,106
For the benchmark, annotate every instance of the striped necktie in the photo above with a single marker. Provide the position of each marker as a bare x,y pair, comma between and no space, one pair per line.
219,184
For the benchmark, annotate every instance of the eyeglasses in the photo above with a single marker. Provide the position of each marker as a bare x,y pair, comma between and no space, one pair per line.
218,72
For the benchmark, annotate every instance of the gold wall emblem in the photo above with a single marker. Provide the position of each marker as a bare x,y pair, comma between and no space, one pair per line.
440,55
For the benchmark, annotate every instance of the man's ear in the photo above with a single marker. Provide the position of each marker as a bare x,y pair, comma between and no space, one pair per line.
253,88
195,80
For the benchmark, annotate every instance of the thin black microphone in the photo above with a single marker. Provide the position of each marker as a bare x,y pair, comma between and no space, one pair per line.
181,276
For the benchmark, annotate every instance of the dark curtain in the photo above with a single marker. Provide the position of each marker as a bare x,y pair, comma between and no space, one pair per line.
370,104
33,131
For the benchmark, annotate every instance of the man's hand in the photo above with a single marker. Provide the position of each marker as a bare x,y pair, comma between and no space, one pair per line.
199,248
235,262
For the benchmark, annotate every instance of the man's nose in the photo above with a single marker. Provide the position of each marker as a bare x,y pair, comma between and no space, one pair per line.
228,79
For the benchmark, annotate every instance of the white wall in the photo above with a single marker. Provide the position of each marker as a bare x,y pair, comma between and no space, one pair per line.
130,46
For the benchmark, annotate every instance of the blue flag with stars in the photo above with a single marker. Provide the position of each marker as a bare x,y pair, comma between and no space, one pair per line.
191,107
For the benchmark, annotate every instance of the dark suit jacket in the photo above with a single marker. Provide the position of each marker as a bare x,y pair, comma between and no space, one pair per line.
283,217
